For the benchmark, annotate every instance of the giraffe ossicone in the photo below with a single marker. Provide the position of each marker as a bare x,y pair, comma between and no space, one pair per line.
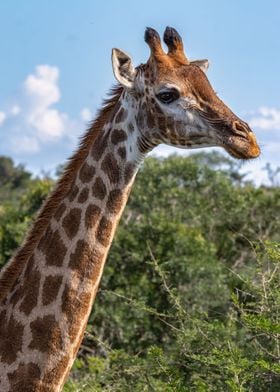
47,289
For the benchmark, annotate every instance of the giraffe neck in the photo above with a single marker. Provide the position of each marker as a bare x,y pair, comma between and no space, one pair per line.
46,312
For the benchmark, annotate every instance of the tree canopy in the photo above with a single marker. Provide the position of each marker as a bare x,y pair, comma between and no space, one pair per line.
189,300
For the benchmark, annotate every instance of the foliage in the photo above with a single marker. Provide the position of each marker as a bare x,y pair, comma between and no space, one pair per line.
238,353
13,179
189,300
20,198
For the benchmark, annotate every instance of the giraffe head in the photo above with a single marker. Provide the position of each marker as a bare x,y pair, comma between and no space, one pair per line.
175,103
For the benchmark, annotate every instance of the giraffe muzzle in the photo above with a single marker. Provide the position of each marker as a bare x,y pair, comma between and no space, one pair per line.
242,146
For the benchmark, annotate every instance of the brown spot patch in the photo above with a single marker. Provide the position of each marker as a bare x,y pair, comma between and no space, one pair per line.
115,201
131,127
83,196
26,378
98,147
50,288
45,240
150,119
17,294
99,189
29,267
80,259
121,116
11,333
18,289
170,122
122,152
104,231
46,335
71,222
140,120
31,292
118,136
110,167
84,261
158,109
92,215
75,306
161,122
144,107
86,173
60,211
73,193
52,246
2,315
56,373
129,172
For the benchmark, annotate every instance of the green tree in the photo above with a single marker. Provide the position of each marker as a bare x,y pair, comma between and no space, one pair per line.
13,175
189,300
17,215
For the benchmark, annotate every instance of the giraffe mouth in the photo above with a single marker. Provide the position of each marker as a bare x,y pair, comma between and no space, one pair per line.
242,147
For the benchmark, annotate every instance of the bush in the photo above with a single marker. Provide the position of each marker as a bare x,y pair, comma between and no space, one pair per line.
189,300
238,353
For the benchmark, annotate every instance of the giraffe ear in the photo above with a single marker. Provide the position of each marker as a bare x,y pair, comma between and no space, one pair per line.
202,64
123,68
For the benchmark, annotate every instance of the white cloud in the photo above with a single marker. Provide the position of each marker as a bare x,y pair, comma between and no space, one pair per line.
33,122
42,92
265,121
86,114
3,117
15,110
266,118
43,85
49,123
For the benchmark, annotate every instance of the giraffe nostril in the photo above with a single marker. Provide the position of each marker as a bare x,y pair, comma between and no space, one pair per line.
241,129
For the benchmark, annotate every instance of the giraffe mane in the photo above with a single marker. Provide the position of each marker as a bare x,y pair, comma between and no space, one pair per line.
15,266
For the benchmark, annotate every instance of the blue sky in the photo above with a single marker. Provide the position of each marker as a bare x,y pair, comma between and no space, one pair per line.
56,68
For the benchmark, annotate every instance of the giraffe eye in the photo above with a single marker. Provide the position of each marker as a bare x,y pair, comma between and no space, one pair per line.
168,96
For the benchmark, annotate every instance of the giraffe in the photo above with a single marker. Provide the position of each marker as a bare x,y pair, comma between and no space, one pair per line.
48,288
